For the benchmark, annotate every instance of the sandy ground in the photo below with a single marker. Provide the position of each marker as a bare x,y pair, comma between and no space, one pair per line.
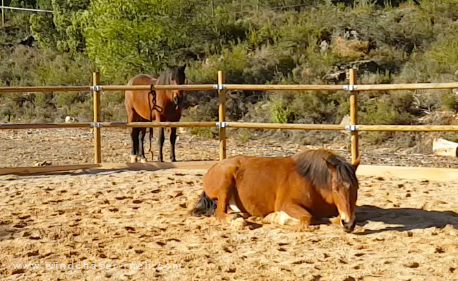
75,146
406,230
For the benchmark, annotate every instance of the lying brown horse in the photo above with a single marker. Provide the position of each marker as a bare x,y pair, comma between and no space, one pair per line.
309,185
154,105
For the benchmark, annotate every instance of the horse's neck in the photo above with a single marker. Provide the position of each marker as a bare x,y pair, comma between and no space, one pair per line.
326,194
164,81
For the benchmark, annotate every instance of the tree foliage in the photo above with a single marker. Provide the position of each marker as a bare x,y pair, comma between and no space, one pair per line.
138,36
63,29
253,41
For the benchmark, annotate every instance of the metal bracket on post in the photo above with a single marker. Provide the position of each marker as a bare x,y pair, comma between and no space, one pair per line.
351,128
97,88
221,125
96,125
219,87
350,87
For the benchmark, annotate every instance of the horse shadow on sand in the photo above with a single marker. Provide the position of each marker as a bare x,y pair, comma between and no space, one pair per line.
406,219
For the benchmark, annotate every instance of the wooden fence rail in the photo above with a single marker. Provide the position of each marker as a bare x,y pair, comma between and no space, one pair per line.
238,125
221,87
240,87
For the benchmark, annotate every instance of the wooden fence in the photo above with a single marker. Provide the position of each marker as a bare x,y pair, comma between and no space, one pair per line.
221,87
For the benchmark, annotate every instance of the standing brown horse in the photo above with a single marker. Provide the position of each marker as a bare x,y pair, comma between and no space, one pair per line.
154,105
308,185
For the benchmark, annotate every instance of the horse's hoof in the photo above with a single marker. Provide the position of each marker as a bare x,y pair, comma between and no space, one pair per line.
281,218
143,160
133,158
224,218
271,218
335,220
238,223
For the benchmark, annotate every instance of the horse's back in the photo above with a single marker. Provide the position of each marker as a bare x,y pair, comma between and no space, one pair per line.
243,167
262,182
142,79
259,181
138,100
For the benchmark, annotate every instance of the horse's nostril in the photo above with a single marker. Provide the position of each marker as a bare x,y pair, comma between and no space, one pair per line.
347,226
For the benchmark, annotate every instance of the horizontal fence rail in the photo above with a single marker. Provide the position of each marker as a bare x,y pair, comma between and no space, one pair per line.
238,125
239,87
400,87
175,125
25,9
242,87
205,87
408,128
221,88
45,89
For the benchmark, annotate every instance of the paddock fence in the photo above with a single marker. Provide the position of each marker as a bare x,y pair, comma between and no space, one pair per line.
221,87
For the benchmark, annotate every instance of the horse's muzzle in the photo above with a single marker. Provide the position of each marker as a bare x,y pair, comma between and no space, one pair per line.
177,102
348,226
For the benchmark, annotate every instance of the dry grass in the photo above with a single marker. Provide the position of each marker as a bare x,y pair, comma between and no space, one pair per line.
349,48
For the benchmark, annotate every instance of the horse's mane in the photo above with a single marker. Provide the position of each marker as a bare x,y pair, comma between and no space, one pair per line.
311,165
176,73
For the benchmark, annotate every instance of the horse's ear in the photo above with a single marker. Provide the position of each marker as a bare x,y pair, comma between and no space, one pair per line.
183,67
357,162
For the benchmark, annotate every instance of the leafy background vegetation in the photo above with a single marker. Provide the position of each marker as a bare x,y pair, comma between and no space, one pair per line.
255,42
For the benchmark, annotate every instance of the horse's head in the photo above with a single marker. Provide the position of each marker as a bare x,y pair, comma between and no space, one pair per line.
344,191
177,77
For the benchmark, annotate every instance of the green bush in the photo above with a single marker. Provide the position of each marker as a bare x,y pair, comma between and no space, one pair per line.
252,42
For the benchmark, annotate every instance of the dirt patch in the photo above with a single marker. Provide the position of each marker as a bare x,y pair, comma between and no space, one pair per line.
406,230
75,146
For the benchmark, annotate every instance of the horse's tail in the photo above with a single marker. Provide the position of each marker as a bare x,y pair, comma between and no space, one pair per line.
204,207
151,108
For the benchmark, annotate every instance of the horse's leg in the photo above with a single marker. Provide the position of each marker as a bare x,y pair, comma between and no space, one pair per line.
134,138
335,220
160,140
141,150
150,143
221,209
130,118
173,138
280,218
295,211
226,198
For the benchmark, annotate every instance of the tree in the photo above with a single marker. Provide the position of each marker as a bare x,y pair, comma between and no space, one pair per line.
63,29
129,36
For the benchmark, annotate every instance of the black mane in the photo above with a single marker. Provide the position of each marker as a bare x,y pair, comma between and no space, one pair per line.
311,165
174,73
